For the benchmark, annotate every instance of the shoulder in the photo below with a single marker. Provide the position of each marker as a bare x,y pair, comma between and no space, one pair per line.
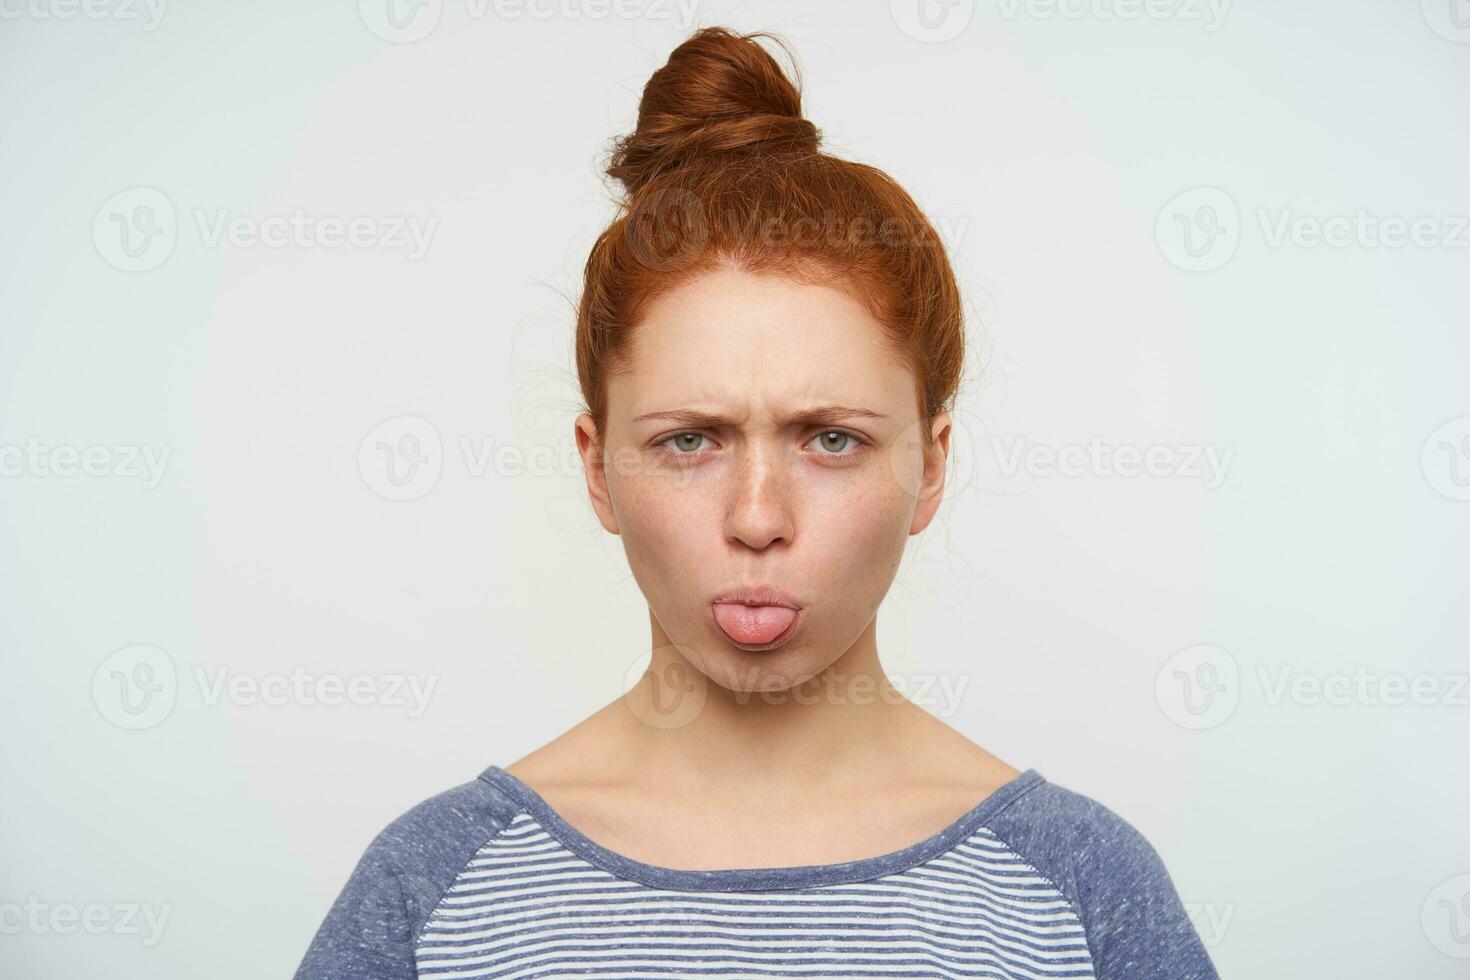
418,854
405,870
1112,876
442,829
1064,827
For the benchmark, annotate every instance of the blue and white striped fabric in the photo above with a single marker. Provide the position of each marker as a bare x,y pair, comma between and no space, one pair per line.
527,905
1034,882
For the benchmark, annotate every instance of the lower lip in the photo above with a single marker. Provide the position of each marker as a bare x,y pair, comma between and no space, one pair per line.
771,644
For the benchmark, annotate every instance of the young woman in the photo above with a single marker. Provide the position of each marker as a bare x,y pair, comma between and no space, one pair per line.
768,341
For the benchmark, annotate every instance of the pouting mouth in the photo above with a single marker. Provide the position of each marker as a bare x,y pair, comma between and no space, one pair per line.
759,595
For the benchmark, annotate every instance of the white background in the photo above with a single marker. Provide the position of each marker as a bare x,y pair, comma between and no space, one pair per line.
1051,144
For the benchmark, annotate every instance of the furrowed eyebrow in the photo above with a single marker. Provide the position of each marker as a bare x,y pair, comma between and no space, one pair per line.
816,415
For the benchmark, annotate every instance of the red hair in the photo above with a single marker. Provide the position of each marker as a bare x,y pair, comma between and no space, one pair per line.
722,169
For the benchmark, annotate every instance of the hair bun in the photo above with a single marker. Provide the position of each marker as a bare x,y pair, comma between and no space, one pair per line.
719,93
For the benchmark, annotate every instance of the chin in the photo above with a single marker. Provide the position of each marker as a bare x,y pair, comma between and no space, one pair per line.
773,672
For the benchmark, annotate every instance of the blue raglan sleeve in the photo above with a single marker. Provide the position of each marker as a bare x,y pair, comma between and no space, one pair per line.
1135,923
370,931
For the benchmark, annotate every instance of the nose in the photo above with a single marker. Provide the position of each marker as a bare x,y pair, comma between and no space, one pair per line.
760,511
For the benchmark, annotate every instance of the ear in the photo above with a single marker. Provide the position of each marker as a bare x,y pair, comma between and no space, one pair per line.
931,481
589,447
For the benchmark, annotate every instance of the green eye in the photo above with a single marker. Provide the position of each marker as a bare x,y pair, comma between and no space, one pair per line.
679,440
834,442
843,438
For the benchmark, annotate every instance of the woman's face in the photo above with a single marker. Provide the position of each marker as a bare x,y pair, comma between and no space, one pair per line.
762,438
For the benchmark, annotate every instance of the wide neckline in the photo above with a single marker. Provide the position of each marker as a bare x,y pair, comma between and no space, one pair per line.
755,879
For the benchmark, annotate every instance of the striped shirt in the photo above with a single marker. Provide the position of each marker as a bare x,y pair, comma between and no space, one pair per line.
487,880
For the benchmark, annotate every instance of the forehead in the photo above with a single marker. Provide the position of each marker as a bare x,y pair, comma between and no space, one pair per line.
737,338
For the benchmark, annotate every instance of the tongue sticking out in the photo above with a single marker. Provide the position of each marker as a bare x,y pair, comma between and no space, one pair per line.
752,624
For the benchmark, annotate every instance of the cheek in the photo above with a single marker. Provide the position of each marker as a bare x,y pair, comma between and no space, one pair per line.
859,536
850,529
666,522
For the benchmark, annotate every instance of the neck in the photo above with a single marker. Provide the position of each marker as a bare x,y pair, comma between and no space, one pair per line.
752,723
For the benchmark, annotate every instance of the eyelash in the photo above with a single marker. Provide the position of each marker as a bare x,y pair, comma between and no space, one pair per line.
663,444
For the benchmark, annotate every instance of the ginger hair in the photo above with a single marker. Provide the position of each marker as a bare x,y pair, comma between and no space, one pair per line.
722,169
